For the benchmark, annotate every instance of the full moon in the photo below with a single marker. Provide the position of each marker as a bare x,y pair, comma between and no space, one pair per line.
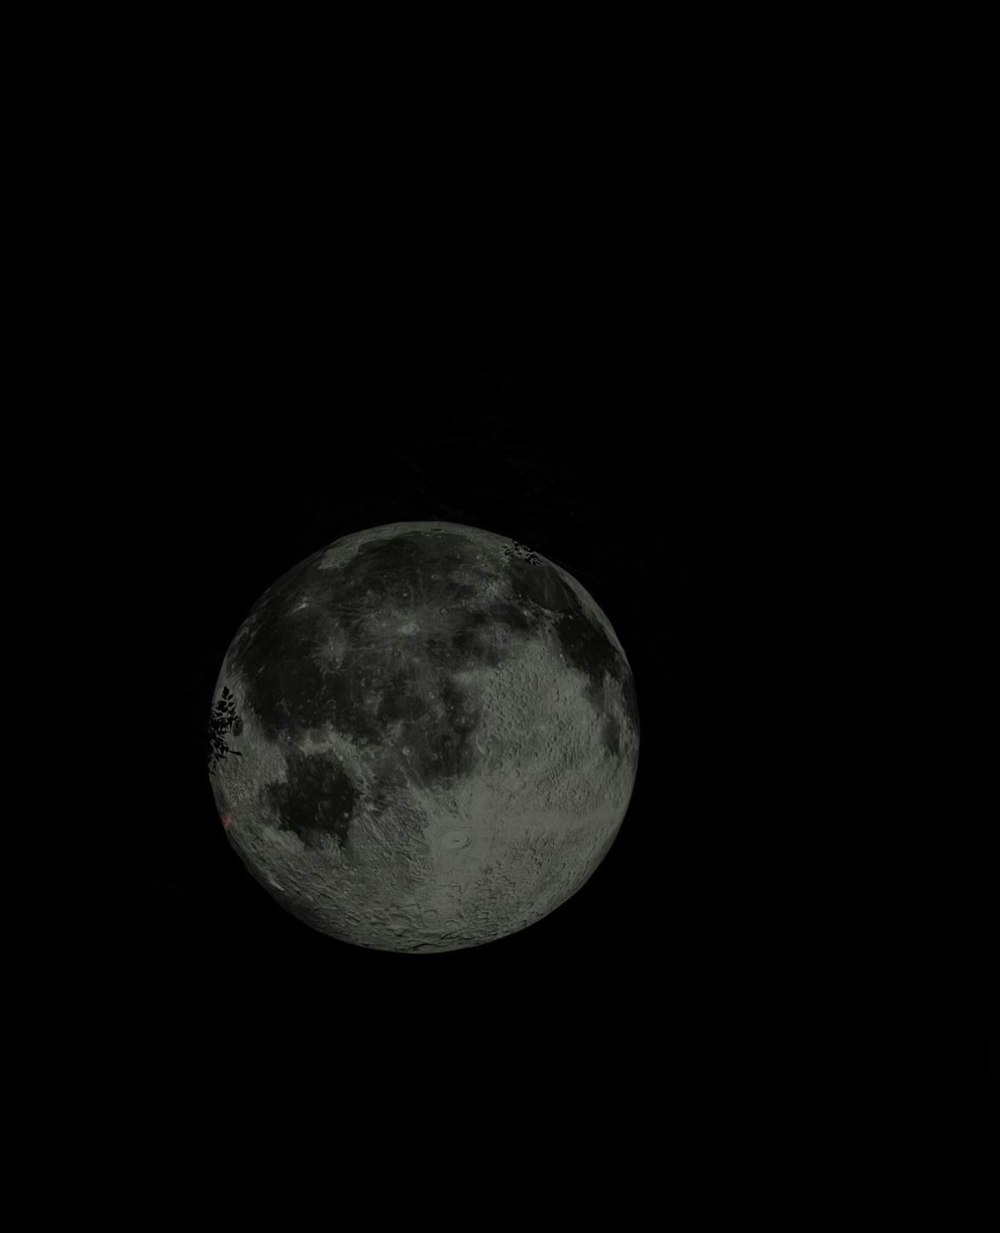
424,737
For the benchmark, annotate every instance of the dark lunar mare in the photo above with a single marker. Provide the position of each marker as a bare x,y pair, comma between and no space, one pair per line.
404,562
631,700
317,799
611,734
273,652
292,687
289,685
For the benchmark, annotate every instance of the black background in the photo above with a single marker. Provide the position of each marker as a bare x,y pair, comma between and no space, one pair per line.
667,459
669,431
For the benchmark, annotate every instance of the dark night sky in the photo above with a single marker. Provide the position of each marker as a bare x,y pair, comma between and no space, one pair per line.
663,457
666,387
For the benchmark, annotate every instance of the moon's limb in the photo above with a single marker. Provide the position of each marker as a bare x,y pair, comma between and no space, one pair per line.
438,742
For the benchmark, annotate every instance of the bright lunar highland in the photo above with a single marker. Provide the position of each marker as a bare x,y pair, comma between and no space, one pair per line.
424,737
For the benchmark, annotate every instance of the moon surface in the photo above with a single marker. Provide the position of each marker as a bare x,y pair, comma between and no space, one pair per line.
424,737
